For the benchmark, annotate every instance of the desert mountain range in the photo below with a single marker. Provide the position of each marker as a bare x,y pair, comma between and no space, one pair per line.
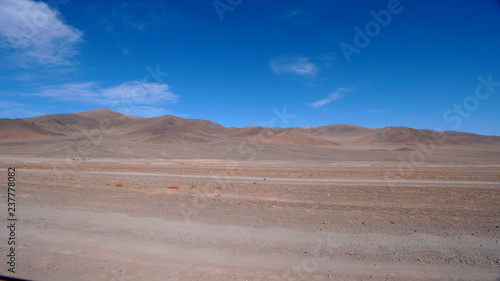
106,134
172,129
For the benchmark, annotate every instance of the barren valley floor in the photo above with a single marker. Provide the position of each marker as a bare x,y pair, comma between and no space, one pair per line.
206,220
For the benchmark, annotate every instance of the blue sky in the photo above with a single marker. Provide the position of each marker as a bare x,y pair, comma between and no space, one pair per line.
419,63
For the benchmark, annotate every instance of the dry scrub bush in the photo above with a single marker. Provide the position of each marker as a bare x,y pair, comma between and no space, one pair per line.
173,186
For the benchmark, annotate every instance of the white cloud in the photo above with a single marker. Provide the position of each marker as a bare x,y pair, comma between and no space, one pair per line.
140,92
144,111
87,91
132,94
126,51
297,17
135,15
10,109
291,14
337,94
37,33
293,65
376,111
328,59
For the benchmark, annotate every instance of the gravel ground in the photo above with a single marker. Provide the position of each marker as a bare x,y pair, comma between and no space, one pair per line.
124,222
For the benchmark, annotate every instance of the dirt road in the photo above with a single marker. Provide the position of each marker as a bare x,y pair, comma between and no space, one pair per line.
291,179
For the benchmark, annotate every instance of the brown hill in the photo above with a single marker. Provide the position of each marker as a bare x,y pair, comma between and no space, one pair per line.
414,137
75,123
397,135
171,129
278,135
101,115
19,129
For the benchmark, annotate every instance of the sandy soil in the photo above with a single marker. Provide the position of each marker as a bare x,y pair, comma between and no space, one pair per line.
212,220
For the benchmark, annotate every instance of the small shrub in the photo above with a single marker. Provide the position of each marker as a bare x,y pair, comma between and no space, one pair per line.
194,186
173,186
218,187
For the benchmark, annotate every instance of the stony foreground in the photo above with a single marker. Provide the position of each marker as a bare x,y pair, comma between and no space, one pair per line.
265,221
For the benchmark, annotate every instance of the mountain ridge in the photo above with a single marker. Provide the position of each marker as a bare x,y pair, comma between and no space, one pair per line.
172,129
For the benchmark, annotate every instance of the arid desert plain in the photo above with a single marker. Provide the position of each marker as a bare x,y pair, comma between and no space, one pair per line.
105,196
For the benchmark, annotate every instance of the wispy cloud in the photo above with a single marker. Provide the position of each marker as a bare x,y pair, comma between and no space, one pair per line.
133,15
9,109
376,111
294,16
291,14
134,98
328,59
145,111
36,33
128,13
337,94
126,51
293,65
146,93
